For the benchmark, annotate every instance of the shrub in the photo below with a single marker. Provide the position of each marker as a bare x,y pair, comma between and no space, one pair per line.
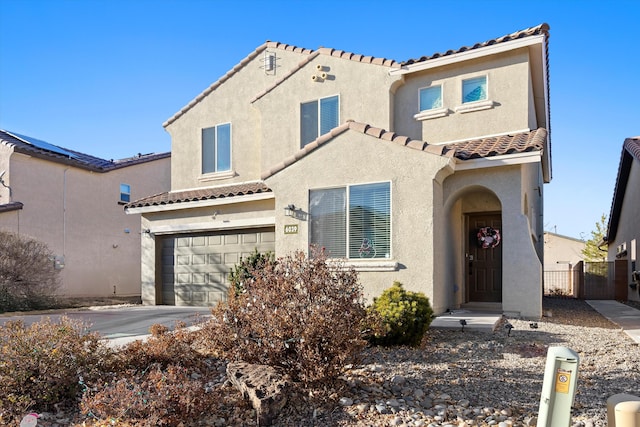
242,272
45,363
300,314
158,381
156,396
28,279
406,316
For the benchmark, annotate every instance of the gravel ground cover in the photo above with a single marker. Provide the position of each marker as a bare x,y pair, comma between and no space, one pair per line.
456,378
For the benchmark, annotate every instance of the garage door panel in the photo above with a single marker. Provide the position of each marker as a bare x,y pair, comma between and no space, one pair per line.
195,268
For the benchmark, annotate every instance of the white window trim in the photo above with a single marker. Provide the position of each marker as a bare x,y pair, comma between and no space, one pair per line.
376,264
206,176
432,114
470,107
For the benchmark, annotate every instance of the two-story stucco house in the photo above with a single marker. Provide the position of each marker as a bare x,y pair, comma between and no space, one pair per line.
398,168
623,231
74,203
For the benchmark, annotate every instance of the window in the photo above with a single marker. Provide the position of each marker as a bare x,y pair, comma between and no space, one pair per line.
216,148
125,193
474,89
352,222
431,98
317,118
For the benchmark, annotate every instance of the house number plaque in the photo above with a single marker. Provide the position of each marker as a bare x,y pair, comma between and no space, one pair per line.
291,229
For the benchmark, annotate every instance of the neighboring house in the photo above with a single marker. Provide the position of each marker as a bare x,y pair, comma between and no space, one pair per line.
393,166
561,254
623,231
74,203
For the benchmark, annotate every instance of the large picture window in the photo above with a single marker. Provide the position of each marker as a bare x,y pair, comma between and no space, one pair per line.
216,148
352,222
318,117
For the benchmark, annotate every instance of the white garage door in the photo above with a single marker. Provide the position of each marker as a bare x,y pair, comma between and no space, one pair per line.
195,267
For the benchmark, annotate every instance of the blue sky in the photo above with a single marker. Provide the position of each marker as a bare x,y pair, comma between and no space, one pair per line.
101,76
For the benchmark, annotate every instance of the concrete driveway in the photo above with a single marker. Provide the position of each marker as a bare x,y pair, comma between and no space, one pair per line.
121,324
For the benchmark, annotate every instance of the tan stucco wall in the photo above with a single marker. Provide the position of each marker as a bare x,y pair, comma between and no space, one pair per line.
359,86
228,103
232,215
629,225
508,85
77,214
560,252
521,266
354,158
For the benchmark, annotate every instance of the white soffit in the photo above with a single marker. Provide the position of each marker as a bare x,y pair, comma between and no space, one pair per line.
468,55
196,227
491,162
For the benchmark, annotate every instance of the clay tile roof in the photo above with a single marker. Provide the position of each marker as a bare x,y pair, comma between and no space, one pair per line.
11,206
44,150
500,145
533,31
364,128
630,151
212,193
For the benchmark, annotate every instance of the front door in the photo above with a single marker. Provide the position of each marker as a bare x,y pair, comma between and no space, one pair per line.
484,264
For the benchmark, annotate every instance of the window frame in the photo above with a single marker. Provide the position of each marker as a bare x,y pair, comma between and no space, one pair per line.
125,193
484,77
349,225
216,148
427,88
318,121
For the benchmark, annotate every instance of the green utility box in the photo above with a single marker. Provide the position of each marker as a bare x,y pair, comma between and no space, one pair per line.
558,388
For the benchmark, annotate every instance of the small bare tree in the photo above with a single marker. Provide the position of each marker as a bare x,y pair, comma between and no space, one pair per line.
28,278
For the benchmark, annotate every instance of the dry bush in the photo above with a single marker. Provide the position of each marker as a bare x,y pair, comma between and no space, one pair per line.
45,363
159,381
167,396
297,313
28,279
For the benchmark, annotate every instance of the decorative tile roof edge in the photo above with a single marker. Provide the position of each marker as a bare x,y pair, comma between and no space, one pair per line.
11,206
630,151
527,32
199,194
366,129
88,162
290,48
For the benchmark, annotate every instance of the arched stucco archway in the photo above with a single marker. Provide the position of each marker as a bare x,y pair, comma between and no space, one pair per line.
466,205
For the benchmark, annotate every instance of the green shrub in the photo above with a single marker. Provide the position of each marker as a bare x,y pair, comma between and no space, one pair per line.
300,314
44,364
406,316
28,278
242,272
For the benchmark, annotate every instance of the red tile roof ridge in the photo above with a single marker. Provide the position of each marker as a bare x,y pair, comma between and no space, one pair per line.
632,145
365,129
197,194
527,32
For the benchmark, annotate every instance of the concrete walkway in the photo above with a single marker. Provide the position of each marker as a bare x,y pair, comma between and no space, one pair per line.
628,318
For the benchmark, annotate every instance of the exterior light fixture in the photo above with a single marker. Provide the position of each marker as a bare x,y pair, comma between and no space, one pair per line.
289,210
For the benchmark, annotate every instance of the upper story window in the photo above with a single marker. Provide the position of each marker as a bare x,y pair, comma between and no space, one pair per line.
318,117
430,98
125,193
353,221
474,89
216,148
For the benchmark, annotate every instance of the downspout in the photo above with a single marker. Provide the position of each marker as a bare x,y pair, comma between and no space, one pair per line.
64,213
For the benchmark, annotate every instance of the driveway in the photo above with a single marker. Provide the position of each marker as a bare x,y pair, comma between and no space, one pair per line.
121,324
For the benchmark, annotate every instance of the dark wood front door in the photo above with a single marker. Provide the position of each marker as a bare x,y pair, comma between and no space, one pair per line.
484,265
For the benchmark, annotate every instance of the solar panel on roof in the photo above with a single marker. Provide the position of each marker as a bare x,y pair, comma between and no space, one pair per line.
45,145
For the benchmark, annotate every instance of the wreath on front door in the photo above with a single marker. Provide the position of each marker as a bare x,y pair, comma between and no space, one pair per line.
488,237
